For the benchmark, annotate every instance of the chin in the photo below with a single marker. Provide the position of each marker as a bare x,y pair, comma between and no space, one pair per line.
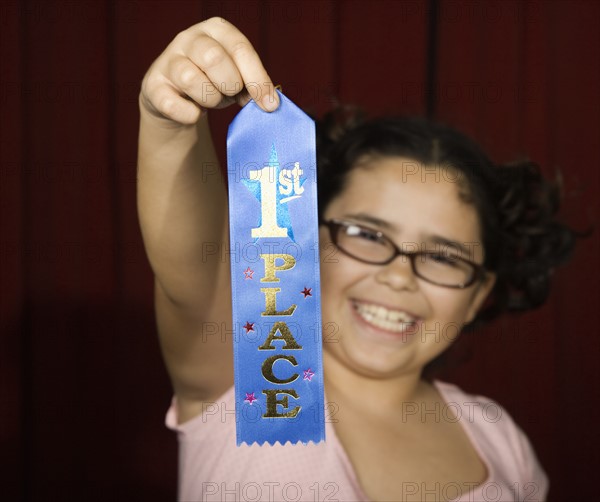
374,362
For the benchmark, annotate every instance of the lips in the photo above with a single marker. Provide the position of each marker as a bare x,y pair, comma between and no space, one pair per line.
392,320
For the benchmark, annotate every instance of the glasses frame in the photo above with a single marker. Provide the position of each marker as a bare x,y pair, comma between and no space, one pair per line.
333,224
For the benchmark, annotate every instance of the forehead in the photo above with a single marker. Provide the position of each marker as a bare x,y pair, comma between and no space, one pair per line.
417,201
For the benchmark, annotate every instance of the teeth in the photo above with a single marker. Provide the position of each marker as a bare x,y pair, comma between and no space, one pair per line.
391,320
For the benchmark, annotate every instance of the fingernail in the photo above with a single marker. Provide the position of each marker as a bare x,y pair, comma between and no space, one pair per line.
270,102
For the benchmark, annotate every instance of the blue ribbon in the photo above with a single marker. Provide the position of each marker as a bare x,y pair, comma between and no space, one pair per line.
275,278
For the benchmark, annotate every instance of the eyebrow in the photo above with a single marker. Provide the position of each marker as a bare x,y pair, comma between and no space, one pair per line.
367,218
435,239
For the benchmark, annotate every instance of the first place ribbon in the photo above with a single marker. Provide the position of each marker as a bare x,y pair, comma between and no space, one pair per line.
275,280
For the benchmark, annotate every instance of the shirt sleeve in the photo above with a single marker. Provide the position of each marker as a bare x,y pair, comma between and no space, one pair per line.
532,484
514,469
535,483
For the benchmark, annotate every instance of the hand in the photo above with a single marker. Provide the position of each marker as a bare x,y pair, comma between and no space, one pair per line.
209,65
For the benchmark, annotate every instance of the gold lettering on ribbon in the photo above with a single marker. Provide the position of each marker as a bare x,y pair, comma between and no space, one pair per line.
285,334
270,268
271,303
267,369
272,403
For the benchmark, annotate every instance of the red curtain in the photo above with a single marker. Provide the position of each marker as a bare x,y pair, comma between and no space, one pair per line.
83,387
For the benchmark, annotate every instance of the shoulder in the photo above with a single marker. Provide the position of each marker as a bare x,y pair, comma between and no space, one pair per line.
499,440
214,420
473,408
484,418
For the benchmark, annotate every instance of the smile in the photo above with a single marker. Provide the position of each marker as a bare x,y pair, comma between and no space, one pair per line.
381,317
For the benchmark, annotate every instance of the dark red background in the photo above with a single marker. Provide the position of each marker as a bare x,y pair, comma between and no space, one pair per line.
83,387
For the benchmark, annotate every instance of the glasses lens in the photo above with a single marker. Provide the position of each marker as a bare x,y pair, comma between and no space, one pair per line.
363,243
446,268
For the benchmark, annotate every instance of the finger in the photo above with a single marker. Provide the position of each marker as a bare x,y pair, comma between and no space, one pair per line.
256,79
169,103
220,69
243,98
193,82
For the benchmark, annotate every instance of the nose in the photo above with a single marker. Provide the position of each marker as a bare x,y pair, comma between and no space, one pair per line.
398,274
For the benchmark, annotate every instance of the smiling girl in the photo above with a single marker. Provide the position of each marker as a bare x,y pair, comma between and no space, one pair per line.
425,232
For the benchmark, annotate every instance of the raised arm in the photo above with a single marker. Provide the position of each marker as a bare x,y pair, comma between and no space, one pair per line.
182,199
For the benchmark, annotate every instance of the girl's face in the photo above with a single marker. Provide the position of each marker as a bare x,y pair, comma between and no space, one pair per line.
382,320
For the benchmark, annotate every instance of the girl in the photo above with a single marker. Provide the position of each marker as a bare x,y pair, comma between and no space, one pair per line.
415,253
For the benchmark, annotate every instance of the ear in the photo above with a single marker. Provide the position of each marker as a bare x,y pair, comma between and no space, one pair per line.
480,293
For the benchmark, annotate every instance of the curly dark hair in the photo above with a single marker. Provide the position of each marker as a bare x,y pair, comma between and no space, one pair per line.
522,240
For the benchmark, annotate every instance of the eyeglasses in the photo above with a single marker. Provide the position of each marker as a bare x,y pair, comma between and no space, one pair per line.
444,267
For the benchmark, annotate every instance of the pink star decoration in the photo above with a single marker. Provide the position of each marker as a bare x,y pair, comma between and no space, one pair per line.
248,273
308,374
306,291
249,326
250,398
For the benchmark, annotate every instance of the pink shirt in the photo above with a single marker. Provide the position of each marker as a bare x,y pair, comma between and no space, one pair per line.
213,468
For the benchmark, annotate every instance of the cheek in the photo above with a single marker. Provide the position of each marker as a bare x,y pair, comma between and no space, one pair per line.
339,275
326,249
329,275
333,279
333,263
450,305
